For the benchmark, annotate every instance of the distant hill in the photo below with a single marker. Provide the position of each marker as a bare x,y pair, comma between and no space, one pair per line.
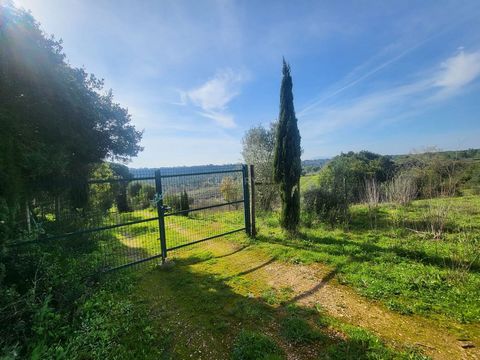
315,162
313,166
308,166
472,154
141,172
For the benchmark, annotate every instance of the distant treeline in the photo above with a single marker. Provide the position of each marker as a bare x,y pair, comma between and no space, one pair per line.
141,172
309,166
368,177
473,154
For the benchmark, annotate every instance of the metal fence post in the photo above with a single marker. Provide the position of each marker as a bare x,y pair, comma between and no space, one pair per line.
246,200
252,201
161,215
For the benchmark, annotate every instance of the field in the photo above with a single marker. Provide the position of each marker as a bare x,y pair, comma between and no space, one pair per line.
382,287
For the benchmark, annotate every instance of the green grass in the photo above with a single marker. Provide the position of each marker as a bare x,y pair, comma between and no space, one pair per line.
407,269
254,346
111,324
362,345
308,181
213,314
298,331
202,308
122,245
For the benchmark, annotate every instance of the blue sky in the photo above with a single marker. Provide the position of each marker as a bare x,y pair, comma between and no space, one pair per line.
385,76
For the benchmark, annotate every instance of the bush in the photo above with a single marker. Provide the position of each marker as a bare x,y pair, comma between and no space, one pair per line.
254,346
40,291
178,202
346,173
471,178
140,195
326,205
402,189
435,173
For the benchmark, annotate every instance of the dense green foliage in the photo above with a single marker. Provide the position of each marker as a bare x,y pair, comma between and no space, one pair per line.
121,199
370,178
57,127
346,174
342,181
55,120
328,206
140,195
287,164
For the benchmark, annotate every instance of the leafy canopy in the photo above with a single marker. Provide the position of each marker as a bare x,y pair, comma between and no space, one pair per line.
346,173
56,120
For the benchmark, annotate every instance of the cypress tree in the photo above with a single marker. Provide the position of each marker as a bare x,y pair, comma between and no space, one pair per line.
287,163
184,202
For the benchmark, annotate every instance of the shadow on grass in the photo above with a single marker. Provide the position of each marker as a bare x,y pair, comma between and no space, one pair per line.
205,315
325,280
361,252
418,218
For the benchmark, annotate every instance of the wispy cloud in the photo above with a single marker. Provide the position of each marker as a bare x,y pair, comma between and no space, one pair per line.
451,76
352,80
458,71
214,96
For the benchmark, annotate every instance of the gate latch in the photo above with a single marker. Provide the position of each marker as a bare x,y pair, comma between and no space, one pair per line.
157,198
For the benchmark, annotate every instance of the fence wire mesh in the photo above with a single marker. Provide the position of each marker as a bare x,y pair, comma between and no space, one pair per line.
200,206
119,216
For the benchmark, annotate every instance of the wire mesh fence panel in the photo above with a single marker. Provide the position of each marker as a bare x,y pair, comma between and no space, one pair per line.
122,217
202,206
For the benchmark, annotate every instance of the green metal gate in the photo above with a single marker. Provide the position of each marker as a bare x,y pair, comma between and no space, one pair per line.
183,179
167,210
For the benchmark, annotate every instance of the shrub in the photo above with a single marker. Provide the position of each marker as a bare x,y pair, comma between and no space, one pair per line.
254,346
346,173
184,203
230,190
402,189
436,174
173,201
178,202
326,205
140,195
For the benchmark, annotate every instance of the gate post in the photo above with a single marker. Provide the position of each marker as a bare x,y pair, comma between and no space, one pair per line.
161,215
246,200
252,201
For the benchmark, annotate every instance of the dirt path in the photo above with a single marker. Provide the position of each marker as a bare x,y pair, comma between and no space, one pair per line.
315,285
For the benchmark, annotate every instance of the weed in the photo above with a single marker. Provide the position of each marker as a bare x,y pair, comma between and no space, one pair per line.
298,331
361,345
254,346
276,297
